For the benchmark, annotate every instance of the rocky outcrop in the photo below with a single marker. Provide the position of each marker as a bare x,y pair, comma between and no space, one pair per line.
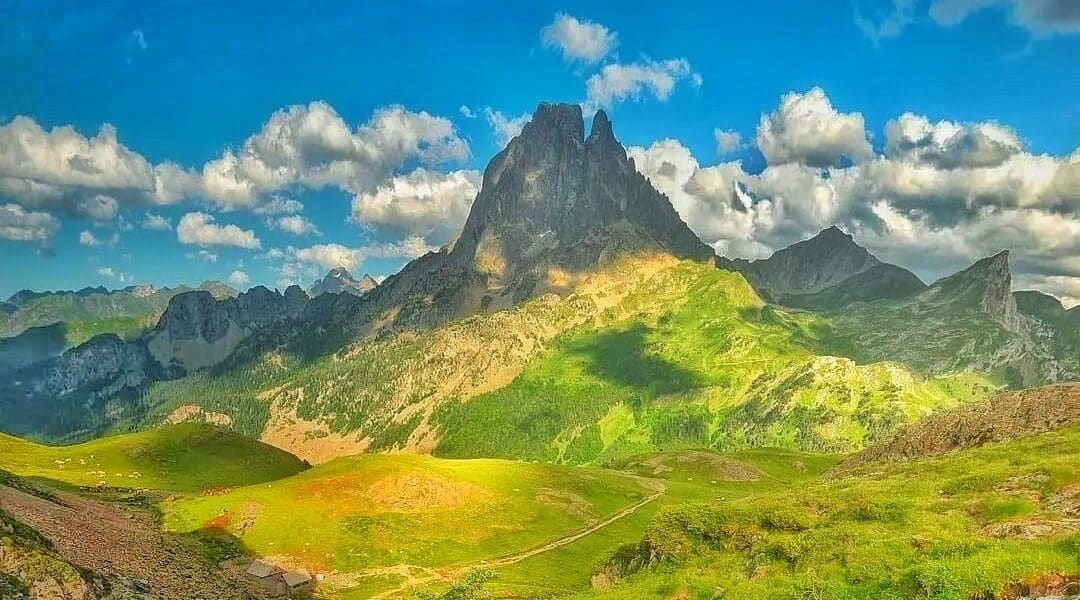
1004,417
987,284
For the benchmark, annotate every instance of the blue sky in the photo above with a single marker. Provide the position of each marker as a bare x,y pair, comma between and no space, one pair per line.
185,82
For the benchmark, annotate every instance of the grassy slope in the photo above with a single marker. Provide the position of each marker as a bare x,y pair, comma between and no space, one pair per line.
901,531
187,457
378,510
693,359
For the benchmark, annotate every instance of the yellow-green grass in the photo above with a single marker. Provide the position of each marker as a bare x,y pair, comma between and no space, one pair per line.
184,458
928,529
377,510
693,477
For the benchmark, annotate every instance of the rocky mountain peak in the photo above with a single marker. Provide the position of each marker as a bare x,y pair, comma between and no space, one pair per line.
809,266
339,280
986,284
553,197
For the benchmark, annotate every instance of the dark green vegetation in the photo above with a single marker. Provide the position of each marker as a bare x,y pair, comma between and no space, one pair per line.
957,527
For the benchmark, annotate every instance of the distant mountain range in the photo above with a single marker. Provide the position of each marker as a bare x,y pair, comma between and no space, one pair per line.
338,280
575,318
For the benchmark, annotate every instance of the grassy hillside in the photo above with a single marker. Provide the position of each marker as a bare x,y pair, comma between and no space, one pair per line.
693,359
651,354
965,525
373,515
187,457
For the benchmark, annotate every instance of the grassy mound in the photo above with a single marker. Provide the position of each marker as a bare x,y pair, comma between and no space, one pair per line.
186,457
369,512
965,525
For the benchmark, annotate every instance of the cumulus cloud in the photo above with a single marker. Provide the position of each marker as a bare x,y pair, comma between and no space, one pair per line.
807,129
727,141
304,146
20,225
310,262
238,277
312,146
422,203
294,225
156,223
61,169
949,145
581,41
941,195
199,228
619,82
504,128
466,112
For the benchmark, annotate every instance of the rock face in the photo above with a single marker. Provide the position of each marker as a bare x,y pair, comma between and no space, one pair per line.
32,345
339,280
807,267
966,321
74,392
986,284
877,282
1001,418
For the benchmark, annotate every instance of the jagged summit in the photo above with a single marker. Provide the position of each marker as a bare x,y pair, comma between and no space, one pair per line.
338,280
986,284
554,197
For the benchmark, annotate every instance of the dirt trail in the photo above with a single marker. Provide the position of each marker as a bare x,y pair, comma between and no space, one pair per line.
125,542
451,573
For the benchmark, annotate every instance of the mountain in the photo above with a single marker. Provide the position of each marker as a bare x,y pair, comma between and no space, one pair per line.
31,346
339,280
1053,325
827,271
92,385
90,311
966,321
553,204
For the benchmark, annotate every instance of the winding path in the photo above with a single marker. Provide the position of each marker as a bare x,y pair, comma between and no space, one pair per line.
451,573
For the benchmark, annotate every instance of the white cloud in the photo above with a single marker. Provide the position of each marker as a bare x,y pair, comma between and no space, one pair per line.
200,229
1040,17
106,272
238,277
727,141
18,224
505,129
307,263
295,225
156,223
949,145
618,82
139,38
312,146
887,22
808,130
87,238
425,203
466,112
924,204
203,255
60,169
582,41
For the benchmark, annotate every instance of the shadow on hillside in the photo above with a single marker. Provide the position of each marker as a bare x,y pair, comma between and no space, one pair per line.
622,357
